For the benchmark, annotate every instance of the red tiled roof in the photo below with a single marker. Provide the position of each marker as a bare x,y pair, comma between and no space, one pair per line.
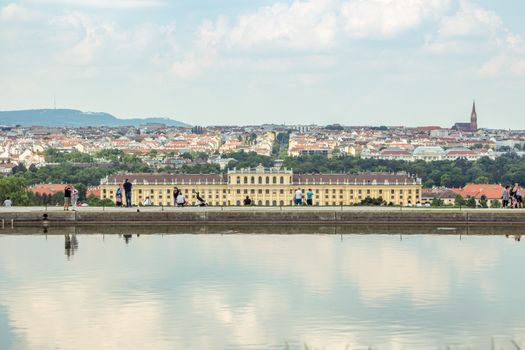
476,191
48,189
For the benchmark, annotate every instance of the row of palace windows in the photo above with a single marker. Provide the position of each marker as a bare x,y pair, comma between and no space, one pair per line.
268,179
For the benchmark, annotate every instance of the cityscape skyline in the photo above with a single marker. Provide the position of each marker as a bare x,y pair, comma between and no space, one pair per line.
297,62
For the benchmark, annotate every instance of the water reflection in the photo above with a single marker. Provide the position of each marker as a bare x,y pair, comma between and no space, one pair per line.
234,291
70,245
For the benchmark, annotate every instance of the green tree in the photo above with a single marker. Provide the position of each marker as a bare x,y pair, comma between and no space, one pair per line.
483,201
482,180
494,203
459,201
471,202
94,201
15,187
437,202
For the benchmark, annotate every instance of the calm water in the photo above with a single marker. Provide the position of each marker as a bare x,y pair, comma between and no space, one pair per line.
256,291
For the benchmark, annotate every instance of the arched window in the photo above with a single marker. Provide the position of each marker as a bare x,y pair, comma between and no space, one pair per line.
274,203
274,180
253,180
238,180
281,203
281,180
267,180
260,180
259,203
267,203
238,203
246,179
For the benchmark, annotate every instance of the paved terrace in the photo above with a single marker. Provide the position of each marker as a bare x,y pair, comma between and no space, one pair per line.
53,216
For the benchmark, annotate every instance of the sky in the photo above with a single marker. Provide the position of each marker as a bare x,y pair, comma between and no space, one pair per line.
217,62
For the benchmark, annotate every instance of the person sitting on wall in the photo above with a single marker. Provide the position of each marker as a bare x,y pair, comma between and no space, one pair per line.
247,201
147,202
181,200
201,202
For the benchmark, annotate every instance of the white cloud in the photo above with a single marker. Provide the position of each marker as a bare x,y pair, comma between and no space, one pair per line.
470,20
474,29
117,4
300,24
15,12
388,18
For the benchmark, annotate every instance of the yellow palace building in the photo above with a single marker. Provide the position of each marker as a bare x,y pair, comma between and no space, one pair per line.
268,187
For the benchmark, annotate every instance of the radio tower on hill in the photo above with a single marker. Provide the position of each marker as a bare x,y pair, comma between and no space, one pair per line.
474,118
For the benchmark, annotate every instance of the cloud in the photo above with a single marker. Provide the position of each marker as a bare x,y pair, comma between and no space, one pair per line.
300,24
474,29
117,4
15,12
388,18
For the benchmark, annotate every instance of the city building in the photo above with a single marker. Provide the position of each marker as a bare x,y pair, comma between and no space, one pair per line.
469,127
268,187
491,192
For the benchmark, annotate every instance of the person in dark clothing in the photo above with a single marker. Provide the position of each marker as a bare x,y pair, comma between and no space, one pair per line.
67,197
201,201
247,201
127,190
176,192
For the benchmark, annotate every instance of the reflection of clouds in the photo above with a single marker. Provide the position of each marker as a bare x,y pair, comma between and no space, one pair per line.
68,317
244,324
313,260
248,292
423,269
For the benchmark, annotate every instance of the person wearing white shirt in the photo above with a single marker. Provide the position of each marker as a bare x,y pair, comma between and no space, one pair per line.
148,202
298,197
8,202
181,200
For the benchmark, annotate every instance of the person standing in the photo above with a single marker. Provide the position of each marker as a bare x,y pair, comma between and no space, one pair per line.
309,197
514,200
298,197
8,202
519,197
127,190
67,197
505,196
74,197
118,196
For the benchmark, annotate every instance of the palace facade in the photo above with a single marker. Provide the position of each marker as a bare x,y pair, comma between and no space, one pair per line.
268,187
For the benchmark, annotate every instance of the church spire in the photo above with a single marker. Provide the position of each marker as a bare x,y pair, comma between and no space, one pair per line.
474,118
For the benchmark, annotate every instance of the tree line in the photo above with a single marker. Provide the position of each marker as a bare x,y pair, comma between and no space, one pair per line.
83,170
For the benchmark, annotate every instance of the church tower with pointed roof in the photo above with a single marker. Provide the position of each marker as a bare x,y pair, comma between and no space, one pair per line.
474,118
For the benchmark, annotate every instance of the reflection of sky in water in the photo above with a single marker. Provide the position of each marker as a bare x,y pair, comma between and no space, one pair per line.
261,291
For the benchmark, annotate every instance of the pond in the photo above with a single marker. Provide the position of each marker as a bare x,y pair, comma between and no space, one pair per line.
262,288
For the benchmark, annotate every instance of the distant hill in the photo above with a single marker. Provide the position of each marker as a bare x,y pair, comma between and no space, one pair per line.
71,117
